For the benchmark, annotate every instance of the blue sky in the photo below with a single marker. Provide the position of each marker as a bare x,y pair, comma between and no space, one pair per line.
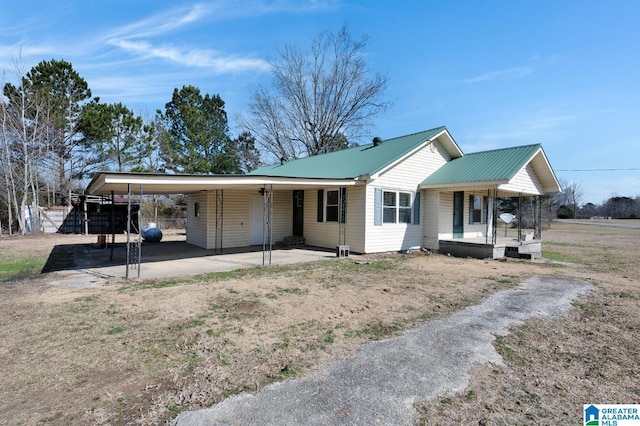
497,73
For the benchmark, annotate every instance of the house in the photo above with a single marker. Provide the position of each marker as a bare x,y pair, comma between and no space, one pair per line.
398,194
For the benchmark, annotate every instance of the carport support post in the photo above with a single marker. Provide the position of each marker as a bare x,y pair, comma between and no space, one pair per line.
219,212
126,274
113,229
267,213
139,231
342,216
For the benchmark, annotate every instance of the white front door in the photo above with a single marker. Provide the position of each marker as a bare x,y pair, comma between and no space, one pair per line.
257,207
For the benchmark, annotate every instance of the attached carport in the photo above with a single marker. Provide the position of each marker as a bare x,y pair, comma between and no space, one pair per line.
216,187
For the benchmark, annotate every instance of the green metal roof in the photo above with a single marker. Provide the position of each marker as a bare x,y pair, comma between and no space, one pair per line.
499,165
350,163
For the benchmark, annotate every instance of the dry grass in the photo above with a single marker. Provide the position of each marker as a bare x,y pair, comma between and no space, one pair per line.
553,367
140,354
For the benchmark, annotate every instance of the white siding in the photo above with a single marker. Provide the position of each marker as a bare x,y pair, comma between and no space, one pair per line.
282,215
445,216
236,217
525,181
236,222
326,234
404,176
356,218
197,226
430,216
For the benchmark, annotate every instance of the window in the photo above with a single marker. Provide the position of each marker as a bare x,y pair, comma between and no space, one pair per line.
404,207
478,209
396,207
389,207
332,206
196,209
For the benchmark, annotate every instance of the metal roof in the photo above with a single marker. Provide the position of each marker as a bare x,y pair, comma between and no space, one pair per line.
359,161
352,166
494,167
160,183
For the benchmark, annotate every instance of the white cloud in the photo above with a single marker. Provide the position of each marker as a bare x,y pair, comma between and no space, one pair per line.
534,63
532,127
160,23
203,58
135,39
516,72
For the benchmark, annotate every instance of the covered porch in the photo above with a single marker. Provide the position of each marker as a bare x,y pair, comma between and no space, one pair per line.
472,224
468,192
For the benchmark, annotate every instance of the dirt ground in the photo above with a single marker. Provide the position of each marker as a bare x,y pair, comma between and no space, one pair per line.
139,353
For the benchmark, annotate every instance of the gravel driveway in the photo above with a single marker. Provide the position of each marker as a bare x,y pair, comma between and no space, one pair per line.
380,384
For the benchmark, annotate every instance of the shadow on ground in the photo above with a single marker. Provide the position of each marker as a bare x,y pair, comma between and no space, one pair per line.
66,257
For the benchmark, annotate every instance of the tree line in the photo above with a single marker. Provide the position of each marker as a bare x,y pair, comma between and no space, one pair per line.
568,205
54,133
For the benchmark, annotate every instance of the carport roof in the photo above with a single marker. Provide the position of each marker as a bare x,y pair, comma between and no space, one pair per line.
160,183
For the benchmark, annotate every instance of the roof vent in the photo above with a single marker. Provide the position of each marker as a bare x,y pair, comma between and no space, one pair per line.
377,141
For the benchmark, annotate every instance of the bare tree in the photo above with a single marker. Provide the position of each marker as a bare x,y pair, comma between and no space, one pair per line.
63,93
571,196
573,191
23,124
318,97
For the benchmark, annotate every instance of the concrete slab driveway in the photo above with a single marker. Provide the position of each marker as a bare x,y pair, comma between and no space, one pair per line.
380,384
87,265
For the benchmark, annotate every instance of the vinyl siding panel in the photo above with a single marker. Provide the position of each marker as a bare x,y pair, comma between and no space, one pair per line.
197,226
430,217
282,215
525,181
445,216
326,234
236,222
404,176
356,218
237,217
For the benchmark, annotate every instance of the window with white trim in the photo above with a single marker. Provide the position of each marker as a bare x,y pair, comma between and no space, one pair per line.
331,206
477,209
396,207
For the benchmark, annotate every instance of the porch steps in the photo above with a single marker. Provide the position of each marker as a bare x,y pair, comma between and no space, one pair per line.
292,241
